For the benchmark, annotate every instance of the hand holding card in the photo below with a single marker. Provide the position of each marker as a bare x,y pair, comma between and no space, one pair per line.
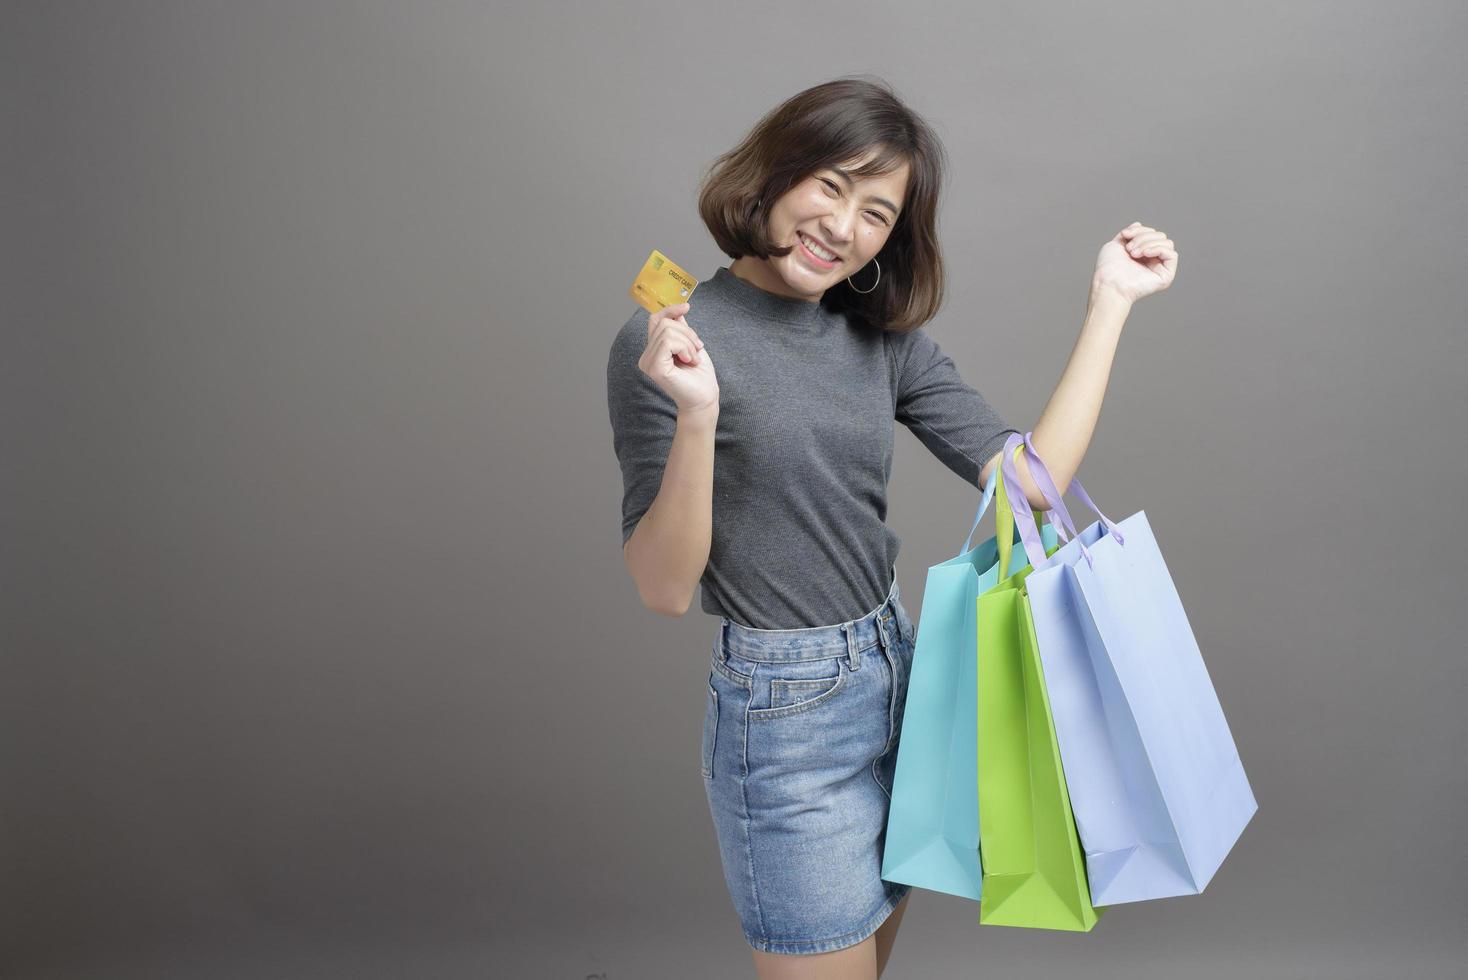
674,358
661,283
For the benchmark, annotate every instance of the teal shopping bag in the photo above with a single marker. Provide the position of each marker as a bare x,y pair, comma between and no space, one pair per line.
932,838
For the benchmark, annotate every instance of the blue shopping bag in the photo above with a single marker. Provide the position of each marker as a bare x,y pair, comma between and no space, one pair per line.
1156,785
932,838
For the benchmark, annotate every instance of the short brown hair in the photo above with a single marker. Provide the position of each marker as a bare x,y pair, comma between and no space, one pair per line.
833,123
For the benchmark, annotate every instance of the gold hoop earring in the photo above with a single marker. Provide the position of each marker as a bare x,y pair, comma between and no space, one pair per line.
874,285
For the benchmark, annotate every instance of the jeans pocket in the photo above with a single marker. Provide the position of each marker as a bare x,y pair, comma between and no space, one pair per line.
710,729
800,689
785,692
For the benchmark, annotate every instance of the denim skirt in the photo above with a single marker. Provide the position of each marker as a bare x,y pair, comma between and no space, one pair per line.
799,747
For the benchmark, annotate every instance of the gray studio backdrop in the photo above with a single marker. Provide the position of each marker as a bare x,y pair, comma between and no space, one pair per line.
319,657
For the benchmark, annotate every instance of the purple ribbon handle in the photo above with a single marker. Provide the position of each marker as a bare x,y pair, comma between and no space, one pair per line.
1052,496
1019,503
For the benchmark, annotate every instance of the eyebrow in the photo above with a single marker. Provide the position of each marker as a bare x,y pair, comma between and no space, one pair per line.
875,200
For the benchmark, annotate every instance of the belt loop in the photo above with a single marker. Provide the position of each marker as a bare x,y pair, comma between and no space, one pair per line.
719,649
853,655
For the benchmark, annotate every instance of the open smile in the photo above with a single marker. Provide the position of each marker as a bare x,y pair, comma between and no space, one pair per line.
806,247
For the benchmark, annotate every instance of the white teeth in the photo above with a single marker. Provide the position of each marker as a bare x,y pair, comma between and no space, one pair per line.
820,252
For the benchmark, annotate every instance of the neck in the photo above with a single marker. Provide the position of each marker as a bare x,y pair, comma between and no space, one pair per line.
758,273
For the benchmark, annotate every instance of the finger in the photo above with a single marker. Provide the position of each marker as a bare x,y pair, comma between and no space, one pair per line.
660,329
1153,248
675,340
676,310
690,349
677,326
1139,245
681,325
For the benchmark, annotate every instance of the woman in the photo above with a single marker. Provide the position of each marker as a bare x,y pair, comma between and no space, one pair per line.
765,484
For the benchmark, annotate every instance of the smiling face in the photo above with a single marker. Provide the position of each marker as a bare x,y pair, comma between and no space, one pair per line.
836,212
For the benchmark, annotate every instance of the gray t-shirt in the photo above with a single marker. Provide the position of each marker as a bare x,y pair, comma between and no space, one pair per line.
802,451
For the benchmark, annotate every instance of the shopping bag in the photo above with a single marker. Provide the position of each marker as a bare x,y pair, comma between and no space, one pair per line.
1156,786
932,837
1034,872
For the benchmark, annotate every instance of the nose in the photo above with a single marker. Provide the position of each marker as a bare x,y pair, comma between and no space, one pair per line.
836,226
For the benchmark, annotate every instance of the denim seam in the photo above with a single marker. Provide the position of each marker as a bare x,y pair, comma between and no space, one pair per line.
733,675
888,630
820,654
872,924
744,815
712,739
891,704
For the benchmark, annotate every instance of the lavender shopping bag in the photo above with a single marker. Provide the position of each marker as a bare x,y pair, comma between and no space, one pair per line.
1156,785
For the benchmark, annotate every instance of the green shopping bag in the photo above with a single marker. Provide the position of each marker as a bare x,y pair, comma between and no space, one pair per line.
1034,869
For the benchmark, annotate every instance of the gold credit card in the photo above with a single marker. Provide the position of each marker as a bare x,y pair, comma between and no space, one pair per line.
661,283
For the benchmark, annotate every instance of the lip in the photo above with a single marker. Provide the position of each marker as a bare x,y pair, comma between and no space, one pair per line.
813,256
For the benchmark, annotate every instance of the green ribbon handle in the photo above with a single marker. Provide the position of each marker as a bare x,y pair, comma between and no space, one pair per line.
1003,527
1004,521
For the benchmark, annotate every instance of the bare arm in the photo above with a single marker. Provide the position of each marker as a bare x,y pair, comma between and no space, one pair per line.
1064,431
669,548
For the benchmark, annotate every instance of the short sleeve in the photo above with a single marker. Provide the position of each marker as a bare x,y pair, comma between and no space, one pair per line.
644,420
946,413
